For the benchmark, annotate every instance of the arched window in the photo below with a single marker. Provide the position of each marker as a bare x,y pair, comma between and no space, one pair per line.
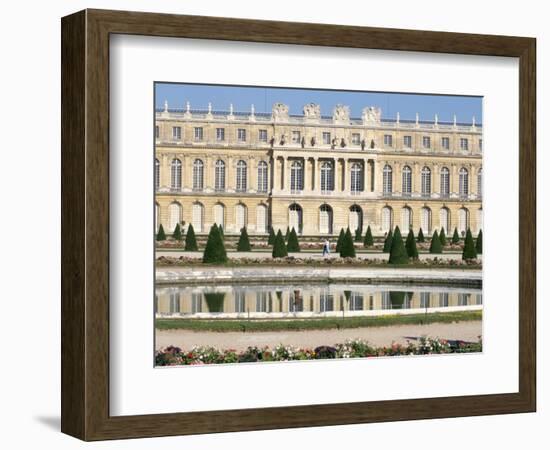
426,219
463,220
355,218
261,219
387,219
296,176
295,217
445,180
175,175
241,216
219,215
463,182
174,213
219,175
327,177
198,217
387,180
444,219
157,174
479,220
157,216
241,176
480,182
407,181
262,176
325,219
356,178
198,175
406,219
426,181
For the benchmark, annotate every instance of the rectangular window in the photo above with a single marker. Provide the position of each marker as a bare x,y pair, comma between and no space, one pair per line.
445,143
262,135
176,133
407,141
241,135
388,140
198,134
355,138
326,138
157,132
426,142
480,144
295,137
463,144
220,134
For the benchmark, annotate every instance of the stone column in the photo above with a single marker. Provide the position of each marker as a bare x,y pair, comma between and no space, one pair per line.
336,177
346,172
208,175
453,182
417,179
436,180
275,174
366,168
316,177
253,174
307,178
286,181
187,169
165,171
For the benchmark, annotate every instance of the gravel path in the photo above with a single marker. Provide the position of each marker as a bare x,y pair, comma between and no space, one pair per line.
376,336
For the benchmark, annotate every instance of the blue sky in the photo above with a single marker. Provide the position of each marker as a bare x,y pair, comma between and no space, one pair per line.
242,97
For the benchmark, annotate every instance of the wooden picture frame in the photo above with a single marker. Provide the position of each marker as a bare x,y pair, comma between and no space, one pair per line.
85,224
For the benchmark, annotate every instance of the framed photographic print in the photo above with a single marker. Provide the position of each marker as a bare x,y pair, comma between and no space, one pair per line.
270,224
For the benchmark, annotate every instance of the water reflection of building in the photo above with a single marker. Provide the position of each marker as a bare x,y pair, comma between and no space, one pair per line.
314,300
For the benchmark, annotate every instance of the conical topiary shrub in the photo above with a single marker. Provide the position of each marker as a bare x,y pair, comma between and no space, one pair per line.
177,233
369,241
387,242
220,229
435,245
214,301
420,237
410,245
347,249
271,238
293,245
398,252
244,243
161,235
442,237
358,236
456,237
287,234
191,240
479,243
340,240
279,247
214,252
469,251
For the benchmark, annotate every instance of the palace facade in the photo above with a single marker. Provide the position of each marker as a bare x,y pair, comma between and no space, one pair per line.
315,173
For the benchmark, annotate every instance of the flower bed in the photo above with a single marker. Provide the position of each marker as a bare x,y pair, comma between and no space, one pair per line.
356,348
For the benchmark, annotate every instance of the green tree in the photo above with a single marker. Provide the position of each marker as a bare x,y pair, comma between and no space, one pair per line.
479,243
369,241
420,237
387,242
442,237
435,245
244,243
358,236
287,234
271,238
398,252
340,240
214,251
347,249
191,240
469,251
410,245
161,235
220,229
177,233
293,245
279,247
456,237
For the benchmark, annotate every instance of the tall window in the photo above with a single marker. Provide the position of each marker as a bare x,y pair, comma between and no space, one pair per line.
176,133
327,176
463,144
443,299
241,135
356,301
424,299
295,137
198,134
198,217
325,219
355,138
387,180
388,140
241,176
463,182
219,176
261,219
386,219
196,302
463,220
198,175
220,134
406,219
479,219
407,181
174,213
241,216
219,215
426,141
157,174
296,176
326,301
355,218
479,183
480,145
356,178
407,141
444,219
262,135
175,175
295,217
240,301
326,138
262,176
157,132
174,302
426,181
426,219
445,143
444,182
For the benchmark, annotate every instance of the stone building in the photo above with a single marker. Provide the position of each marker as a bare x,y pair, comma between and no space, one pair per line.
315,173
